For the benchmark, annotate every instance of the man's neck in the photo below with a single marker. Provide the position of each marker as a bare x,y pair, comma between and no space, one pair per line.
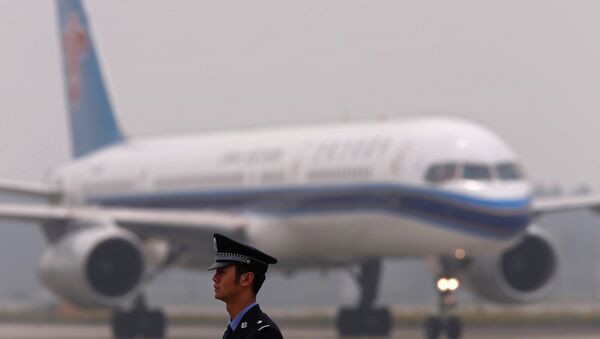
236,306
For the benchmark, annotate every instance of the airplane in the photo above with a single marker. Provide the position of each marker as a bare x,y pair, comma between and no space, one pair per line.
336,196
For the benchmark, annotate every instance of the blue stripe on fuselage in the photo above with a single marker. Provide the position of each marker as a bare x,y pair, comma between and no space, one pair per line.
484,217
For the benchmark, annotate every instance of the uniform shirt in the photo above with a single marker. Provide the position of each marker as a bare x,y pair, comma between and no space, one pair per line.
254,324
233,324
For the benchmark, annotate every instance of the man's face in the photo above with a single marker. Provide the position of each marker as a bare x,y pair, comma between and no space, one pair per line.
225,284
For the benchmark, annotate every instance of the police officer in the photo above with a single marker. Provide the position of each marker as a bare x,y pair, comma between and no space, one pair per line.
239,273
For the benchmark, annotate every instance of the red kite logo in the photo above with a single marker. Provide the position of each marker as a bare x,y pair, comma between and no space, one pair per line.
75,45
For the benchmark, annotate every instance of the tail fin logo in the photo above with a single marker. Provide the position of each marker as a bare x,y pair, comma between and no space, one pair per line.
75,45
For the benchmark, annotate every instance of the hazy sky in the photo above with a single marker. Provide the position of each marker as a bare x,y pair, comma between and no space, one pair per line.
530,70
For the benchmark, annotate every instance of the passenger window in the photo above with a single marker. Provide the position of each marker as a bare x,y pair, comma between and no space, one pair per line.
442,172
477,172
509,171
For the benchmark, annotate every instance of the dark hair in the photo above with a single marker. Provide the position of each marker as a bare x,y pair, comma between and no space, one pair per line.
259,276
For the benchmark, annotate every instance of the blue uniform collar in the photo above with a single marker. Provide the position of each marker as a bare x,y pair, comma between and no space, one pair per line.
235,321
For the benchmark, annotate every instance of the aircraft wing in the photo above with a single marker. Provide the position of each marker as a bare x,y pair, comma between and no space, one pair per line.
173,225
178,226
568,203
28,189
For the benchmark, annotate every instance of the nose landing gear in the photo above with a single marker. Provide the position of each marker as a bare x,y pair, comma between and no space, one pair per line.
445,322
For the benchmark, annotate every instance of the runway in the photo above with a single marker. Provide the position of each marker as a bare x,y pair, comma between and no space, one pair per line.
38,331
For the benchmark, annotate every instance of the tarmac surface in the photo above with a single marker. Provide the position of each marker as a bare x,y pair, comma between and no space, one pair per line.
38,331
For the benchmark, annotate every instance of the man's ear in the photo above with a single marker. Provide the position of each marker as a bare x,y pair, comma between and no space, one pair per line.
247,279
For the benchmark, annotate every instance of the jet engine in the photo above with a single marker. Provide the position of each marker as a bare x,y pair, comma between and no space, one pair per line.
98,266
524,273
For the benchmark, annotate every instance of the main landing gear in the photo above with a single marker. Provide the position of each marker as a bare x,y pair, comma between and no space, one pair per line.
139,322
365,319
445,322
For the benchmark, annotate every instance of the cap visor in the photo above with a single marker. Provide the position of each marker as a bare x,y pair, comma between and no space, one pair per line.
219,265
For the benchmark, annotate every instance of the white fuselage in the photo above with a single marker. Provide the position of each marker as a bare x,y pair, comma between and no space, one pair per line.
324,195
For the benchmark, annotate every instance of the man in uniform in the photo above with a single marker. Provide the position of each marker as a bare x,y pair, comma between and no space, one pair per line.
239,273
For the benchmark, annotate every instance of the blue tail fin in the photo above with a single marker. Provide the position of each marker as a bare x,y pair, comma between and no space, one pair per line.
92,121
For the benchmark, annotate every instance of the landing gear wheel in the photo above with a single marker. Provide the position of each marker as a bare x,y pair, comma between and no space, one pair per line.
123,325
349,322
146,324
352,322
453,328
378,322
433,327
152,324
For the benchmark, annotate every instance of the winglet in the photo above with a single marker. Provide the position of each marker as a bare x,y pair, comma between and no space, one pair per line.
92,120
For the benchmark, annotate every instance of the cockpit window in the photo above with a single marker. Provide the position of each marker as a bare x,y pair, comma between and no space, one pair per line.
441,172
509,171
477,172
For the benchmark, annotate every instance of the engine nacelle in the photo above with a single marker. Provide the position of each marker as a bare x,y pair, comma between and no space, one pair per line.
524,273
99,266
